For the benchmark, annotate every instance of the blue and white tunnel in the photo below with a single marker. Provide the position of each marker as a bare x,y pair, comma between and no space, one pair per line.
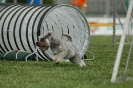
21,25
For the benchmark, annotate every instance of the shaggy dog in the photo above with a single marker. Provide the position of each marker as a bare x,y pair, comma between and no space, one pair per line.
61,49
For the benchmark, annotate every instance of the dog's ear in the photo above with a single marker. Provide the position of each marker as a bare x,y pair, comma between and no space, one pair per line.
51,38
49,33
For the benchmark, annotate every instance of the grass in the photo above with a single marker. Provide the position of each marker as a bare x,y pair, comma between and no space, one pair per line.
97,73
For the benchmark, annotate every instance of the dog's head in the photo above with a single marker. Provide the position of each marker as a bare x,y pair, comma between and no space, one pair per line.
44,42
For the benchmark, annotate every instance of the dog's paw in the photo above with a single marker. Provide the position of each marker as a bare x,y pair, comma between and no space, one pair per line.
82,63
57,62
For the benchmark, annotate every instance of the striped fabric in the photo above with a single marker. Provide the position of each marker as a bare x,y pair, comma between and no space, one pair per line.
21,25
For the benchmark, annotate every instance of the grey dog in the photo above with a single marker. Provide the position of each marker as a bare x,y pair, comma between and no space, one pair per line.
61,49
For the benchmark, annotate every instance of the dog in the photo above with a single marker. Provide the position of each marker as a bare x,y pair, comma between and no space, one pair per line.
61,49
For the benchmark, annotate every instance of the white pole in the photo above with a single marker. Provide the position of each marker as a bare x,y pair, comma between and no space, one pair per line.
41,2
119,52
31,1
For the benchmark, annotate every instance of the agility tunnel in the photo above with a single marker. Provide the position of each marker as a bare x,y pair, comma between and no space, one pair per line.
21,26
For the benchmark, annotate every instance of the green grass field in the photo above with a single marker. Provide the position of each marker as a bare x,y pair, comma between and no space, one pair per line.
97,73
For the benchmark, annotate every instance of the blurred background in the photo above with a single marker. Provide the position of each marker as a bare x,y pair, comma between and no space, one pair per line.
93,7
95,11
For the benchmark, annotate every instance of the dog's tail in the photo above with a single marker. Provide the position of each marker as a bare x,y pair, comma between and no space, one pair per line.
69,37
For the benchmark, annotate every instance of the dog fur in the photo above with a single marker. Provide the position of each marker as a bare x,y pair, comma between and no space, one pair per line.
61,49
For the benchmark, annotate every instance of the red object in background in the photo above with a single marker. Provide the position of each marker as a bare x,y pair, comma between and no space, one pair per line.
78,2
92,22
93,29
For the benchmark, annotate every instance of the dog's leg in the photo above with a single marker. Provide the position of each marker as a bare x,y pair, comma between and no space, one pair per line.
55,57
60,57
82,63
76,59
